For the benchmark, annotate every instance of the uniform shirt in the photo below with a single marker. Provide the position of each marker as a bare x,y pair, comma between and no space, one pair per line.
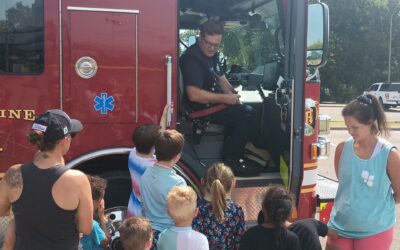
155,185
137,165
181,238
221,234
200,71
93,241
364,203
308,231
261,238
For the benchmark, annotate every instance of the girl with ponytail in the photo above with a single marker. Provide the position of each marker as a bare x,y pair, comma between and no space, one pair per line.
271,232
219,218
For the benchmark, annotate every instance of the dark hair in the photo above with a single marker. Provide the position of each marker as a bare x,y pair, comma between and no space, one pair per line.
277,206
211,27
144,136
366,109
98,186
36,138
218,181
135,232
168,144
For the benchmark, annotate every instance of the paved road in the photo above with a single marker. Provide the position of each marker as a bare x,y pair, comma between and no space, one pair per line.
336,136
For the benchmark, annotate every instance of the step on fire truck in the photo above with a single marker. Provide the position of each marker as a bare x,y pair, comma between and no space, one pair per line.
114,64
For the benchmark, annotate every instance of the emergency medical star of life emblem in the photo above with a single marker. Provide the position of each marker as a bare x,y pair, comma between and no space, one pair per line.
104,103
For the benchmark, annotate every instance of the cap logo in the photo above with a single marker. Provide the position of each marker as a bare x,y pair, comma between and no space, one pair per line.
65,130
39,127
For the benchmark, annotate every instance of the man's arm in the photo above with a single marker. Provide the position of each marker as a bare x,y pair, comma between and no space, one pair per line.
225,85
196,94
84,214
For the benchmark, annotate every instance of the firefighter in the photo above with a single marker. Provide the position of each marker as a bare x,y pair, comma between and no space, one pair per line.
207,89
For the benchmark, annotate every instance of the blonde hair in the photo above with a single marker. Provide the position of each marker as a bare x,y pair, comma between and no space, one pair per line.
218,182
182,202
135,232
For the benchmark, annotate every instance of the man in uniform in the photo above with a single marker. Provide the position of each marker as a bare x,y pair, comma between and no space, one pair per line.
206,87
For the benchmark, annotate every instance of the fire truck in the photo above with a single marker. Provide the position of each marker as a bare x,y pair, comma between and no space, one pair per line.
114,65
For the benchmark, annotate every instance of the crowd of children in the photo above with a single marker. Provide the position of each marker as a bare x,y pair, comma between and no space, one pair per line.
164,213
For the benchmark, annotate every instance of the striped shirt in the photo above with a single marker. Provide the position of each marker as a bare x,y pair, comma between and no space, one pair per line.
181,238
137,165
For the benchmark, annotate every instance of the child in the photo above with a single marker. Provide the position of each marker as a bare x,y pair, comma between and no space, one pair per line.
141,157
218,212
182,202
367,167
160,178
276,209
136,233
98,238
309,231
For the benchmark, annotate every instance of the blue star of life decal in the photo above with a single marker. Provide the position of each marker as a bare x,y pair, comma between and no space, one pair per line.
104,103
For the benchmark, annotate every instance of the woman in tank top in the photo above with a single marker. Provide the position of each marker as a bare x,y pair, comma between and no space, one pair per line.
368,170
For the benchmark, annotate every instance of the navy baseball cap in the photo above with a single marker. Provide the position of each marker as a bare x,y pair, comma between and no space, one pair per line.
55,124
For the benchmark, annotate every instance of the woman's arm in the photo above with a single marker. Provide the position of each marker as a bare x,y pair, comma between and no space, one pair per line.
338,153
393,171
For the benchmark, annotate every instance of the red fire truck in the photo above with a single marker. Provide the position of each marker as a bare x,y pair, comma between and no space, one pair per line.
114,64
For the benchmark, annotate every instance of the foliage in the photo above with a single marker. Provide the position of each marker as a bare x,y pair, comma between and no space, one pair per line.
359,47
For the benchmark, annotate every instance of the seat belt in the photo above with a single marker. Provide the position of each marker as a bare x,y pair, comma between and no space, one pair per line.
207,111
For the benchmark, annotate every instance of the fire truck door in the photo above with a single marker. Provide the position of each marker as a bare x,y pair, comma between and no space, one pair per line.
99,63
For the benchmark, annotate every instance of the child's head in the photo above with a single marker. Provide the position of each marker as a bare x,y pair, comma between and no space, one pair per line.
182,204
144,136
219,181
168,145
277,206
136,233
367,110
98,186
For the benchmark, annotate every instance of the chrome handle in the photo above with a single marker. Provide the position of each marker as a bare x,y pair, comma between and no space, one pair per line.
168,62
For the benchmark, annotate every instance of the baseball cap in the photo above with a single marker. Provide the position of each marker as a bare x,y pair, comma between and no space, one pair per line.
55,124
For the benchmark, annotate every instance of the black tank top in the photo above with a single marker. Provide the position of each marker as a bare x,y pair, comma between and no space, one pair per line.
40,223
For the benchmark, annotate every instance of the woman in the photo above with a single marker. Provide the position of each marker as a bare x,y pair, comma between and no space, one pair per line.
368,171
50,203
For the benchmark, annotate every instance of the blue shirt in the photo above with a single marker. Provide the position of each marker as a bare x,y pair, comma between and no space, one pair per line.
181,238
92,241
155,185
364,203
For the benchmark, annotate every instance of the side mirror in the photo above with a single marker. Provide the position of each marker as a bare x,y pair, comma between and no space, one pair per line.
318,34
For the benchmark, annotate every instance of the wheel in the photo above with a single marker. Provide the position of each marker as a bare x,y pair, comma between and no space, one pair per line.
119,187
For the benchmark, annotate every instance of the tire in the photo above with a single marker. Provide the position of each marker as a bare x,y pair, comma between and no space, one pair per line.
119,187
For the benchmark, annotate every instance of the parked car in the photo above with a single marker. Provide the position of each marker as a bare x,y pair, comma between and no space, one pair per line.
387,93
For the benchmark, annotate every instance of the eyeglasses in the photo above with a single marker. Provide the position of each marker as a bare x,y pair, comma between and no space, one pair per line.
210,44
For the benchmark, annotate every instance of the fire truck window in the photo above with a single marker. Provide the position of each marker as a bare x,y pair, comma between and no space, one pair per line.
21,37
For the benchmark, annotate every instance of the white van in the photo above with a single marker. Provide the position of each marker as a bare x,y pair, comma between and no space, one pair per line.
387,93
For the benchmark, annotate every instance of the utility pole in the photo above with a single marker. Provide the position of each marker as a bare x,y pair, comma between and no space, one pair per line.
390,40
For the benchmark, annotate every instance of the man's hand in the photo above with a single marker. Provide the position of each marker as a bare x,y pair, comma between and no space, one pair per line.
231,99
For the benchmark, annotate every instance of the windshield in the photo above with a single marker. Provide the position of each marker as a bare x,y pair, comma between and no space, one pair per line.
251,46
248,41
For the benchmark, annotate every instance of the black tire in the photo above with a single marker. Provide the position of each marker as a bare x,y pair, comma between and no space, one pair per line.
119,187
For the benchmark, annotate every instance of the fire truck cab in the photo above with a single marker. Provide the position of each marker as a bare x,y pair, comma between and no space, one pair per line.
114,64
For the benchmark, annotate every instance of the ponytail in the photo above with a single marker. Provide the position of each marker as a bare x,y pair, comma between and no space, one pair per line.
218,199
36,138
219,178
